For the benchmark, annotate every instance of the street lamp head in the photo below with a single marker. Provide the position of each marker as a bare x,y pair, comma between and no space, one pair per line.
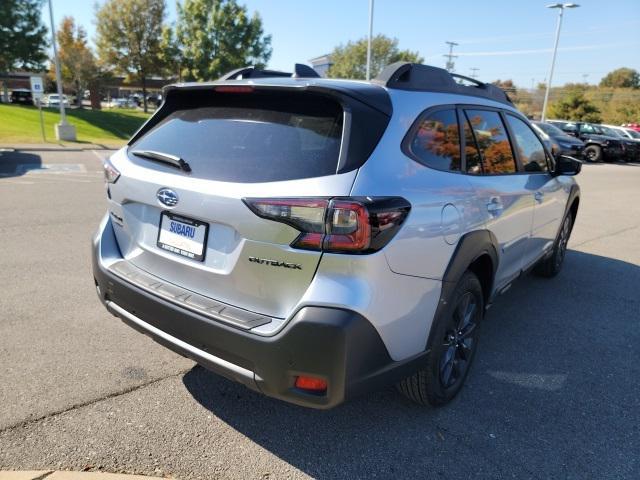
563,5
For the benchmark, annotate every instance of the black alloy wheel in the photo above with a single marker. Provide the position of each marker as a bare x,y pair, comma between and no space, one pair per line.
459,342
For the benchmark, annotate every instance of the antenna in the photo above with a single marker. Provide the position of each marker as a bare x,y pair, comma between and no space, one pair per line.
450,66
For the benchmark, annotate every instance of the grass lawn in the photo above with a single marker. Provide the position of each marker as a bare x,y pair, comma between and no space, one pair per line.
21,124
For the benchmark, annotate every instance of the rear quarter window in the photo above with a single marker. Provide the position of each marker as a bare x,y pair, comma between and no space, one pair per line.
435,142
252,138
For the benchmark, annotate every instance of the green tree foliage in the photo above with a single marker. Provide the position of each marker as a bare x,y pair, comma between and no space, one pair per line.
621,78
574,105
350,60
216,36
129,36
22,36
77,63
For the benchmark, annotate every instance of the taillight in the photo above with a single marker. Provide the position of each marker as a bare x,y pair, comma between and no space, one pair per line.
111,173
339,225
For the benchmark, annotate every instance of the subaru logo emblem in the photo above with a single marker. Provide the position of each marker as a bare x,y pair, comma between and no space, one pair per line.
167,197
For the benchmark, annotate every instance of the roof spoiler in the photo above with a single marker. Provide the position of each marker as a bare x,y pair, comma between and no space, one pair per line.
300,71
413,76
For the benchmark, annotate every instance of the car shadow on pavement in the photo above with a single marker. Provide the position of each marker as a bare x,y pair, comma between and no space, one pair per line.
554,383
16,163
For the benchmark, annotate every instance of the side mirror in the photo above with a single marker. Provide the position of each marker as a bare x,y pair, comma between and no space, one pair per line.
566,165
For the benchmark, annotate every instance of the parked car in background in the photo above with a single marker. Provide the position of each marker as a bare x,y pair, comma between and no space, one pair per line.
633,126
53,100
22,96
631,145
313,256
598,145
626,131
154,99
122,103
561,143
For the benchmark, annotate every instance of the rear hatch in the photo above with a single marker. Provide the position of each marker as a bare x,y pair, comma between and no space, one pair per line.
191,226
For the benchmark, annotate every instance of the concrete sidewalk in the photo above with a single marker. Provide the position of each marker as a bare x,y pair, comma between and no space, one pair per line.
64,475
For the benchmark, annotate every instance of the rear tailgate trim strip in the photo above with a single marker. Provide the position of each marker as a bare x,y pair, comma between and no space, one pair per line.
187,299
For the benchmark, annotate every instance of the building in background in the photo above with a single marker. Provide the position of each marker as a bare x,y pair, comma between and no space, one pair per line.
322,64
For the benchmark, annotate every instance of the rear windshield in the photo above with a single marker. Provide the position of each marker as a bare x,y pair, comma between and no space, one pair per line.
251,137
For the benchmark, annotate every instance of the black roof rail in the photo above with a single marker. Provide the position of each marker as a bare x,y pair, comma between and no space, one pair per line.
425,78
300,71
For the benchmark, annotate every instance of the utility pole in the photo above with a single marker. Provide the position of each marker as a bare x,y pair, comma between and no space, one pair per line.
64,131
474,71
584,77
369,40
450,66
560,7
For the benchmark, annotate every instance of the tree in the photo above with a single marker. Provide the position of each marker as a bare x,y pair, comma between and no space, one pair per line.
22,36
350,60
216,36
77,63
621,78
575,106
128,38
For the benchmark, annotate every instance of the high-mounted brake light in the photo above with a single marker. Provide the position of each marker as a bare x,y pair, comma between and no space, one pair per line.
234,89
339,225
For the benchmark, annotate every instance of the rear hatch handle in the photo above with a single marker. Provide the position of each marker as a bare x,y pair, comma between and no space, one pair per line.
167,158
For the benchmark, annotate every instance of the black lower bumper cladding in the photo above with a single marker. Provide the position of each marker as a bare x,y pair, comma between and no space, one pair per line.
337,345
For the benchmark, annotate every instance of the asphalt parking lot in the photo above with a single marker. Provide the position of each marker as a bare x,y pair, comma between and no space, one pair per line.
554,392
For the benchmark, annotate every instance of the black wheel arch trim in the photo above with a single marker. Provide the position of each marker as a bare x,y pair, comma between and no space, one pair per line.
471,247
574,194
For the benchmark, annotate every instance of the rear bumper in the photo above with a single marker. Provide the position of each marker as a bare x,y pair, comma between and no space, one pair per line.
338,345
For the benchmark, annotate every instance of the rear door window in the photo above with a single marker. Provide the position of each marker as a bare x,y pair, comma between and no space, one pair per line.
493,142
251,137
473,160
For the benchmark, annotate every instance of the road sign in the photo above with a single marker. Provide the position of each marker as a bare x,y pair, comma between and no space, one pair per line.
37,89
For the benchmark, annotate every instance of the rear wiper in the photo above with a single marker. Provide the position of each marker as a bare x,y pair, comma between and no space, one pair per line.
164,158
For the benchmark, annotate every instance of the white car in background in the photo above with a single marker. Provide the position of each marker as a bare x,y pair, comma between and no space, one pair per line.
53,100
625,131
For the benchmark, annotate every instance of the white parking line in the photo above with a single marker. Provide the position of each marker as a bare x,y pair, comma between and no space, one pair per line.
100,157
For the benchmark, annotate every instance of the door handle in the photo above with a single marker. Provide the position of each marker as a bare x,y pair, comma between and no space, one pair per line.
495,207
539,196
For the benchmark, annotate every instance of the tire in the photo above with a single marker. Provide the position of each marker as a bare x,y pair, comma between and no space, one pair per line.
551,266
452,345
592,153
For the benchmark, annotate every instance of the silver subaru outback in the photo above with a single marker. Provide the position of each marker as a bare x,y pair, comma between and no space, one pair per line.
315,239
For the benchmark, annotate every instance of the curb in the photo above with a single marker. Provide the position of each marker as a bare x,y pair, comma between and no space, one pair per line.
56,147
67,475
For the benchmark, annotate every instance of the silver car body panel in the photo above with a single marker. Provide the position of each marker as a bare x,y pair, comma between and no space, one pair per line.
397,289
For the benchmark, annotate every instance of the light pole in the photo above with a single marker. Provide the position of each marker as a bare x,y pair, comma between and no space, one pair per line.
450,65
560,7
64,131
369,40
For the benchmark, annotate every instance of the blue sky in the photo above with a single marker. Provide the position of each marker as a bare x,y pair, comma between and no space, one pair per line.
503,39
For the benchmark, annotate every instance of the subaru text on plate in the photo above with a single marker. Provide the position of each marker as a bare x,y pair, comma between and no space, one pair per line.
315,239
